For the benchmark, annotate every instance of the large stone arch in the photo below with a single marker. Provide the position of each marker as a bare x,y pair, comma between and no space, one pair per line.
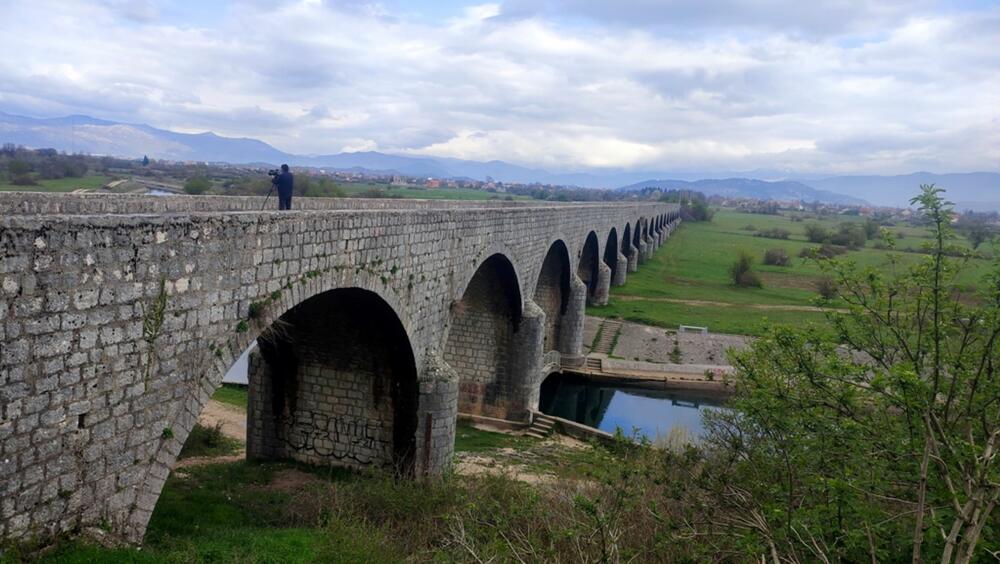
335,383
552,292
207,364
481,344
614,258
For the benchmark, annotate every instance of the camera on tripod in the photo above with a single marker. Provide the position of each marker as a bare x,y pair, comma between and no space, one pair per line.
273,172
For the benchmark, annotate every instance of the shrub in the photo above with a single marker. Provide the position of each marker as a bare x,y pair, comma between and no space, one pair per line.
850,235
776,257
23,180
826,287
742,274
774,233
823,251
197,185
816,233
749,227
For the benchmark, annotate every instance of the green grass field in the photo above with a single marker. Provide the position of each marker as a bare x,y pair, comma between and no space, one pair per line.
358,188
693,266
59,185
233,394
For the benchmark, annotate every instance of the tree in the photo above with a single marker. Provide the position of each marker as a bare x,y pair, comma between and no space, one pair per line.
145,160
742,274
18,168
816,233
978,233
893,449
197,185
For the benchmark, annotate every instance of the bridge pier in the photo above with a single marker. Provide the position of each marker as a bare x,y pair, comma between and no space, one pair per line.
571,336
603,287
529,350
643,251
633,258
621,272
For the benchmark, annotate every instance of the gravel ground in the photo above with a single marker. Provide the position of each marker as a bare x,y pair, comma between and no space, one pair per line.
655,344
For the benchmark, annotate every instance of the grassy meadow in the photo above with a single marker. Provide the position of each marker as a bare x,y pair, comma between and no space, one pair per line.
354,189
91,182
688,283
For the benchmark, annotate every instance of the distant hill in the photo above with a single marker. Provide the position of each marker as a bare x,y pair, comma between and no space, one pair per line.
751,188
85,134
980,189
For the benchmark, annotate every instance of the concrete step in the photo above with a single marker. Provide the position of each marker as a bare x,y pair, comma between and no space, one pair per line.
534,434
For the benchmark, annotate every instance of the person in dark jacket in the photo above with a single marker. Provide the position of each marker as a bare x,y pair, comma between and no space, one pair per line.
284,182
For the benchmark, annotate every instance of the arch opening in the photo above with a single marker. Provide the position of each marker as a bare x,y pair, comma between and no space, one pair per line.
588,268
611,252
637,234
480,339
552,292
335,383
627,240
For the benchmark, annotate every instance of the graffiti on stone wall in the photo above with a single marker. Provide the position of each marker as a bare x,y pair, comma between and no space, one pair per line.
340,438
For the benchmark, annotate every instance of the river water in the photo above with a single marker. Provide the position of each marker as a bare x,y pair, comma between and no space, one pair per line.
660,415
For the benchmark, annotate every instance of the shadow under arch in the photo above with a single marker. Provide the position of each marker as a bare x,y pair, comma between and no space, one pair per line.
335,383
552,292
627,240
480,338
611,252
589,265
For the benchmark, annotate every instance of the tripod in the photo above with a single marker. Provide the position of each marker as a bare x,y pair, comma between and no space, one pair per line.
269,192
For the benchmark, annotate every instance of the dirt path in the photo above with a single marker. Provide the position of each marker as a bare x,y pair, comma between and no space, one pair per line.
233,419
774,307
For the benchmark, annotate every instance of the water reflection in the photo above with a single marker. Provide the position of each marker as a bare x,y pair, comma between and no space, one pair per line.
605,406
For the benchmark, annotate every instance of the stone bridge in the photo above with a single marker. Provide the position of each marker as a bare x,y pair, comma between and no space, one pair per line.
377,321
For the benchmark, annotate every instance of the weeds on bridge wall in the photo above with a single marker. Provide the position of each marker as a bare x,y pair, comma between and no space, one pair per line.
153,316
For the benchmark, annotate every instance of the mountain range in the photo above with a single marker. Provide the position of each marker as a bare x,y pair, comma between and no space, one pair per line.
77,133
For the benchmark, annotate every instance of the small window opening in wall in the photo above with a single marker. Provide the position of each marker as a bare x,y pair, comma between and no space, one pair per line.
81,421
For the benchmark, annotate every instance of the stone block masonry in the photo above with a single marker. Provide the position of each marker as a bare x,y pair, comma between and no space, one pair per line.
119,315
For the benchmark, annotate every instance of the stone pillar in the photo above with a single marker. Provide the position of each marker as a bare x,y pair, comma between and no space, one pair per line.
436,416
571,331
662,234
633,259
621,271
603,287
649,247
643,250
261,431
528,349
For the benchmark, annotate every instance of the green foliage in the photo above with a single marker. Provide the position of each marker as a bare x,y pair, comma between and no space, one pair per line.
884,453
741,272
774,233
209,441
197,185
18,168
816,233
776,257
850,235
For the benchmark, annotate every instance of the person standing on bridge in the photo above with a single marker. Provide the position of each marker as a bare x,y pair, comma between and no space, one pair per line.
284,182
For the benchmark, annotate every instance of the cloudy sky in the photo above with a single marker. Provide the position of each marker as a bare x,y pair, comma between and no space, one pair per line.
826,86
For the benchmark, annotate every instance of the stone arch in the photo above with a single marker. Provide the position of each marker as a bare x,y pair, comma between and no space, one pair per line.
588,268
637,233
480,342
611,252
335,383
552,292
627,240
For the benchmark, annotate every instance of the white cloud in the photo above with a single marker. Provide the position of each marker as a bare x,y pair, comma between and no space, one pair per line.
841,87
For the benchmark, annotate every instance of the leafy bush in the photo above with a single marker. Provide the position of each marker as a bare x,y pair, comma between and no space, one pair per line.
774,233
197,185
776,257
850,235
742,274
826,287
749,227
816,233
823,251
23,180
